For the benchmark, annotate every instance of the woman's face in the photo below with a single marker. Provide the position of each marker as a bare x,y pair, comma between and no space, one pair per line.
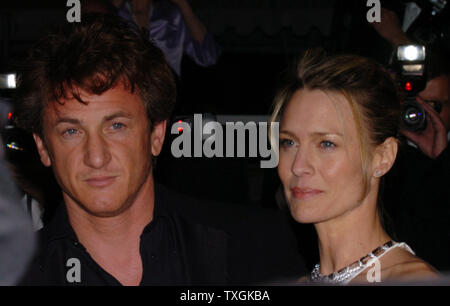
320,160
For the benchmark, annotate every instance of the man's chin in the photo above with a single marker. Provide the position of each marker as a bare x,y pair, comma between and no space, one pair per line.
104,209
105,214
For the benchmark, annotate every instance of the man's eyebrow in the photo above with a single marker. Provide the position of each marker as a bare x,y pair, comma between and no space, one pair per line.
67,120
105,119
116,115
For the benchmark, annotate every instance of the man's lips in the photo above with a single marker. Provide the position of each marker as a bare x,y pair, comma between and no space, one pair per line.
304,193
100,181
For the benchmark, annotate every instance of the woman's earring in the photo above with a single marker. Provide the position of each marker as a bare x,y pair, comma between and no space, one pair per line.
378,173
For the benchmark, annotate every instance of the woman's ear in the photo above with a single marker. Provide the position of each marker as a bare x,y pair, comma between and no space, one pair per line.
384,157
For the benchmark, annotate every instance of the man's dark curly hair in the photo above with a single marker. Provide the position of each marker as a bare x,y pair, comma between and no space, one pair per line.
94,55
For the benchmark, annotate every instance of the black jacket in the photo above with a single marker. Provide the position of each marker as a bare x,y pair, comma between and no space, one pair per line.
218,244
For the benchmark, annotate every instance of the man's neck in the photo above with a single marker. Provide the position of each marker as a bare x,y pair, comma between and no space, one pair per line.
114,242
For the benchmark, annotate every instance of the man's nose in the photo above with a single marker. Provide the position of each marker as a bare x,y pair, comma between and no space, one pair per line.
302,165
97,153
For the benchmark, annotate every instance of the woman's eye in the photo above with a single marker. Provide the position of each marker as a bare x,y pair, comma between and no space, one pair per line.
287,143
327,144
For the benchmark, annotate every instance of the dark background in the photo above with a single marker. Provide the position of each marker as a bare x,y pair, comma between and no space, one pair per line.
260,41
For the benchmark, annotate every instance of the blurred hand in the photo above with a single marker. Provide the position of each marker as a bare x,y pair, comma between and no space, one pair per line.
433,140
389,28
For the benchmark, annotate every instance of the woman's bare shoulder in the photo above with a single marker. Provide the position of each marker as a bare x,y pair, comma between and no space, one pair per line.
403,265
399,265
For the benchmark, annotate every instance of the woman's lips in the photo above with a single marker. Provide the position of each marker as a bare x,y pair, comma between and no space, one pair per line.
101,181
304,193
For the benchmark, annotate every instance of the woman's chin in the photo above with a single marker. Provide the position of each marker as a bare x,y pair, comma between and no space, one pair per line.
302,216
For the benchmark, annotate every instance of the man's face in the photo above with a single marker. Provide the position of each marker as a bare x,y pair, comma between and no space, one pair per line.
438,89
100,152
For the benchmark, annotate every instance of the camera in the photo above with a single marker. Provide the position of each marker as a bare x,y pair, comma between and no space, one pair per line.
432,25
411,62
429,27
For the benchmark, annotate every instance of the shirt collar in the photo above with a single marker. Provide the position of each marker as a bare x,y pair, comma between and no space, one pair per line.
60,228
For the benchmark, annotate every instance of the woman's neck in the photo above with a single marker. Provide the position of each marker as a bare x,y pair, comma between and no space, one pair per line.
345,239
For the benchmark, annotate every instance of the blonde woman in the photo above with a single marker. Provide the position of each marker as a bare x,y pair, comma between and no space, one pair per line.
339,118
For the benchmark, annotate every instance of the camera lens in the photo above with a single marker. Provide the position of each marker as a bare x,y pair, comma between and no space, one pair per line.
413,117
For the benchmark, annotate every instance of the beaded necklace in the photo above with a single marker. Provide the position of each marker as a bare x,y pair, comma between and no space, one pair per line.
346,274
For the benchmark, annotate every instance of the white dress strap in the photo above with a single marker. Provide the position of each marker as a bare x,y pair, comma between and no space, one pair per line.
374,258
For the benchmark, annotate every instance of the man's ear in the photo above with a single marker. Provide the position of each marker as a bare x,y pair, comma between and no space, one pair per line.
42,150
157,137
384,157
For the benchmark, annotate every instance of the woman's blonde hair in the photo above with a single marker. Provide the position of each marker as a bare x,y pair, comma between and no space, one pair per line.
367,86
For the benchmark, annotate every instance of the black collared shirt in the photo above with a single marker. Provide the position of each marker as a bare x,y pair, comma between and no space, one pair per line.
62,254
189,242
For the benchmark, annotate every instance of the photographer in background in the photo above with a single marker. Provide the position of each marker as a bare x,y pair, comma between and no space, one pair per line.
434,99
174,28
419,183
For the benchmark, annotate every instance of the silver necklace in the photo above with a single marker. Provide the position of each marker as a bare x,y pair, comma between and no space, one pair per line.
352,269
